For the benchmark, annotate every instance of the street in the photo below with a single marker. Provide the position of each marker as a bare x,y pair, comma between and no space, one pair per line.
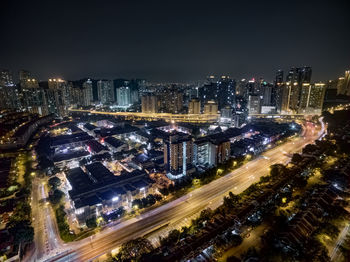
175,212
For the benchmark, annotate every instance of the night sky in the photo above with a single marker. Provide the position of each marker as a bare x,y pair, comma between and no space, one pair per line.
174,40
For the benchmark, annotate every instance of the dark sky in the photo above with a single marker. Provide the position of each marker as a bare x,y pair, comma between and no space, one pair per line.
174,40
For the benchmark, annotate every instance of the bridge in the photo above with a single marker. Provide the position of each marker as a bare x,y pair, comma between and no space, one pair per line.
281,116
189,118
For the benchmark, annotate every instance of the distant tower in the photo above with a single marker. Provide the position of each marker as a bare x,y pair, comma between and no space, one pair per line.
105,91
194,106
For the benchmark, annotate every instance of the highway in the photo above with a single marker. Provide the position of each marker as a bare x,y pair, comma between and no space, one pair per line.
46,235
179,210
191,118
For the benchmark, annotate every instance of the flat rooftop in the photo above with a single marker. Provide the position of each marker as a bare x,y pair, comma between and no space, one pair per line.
99,172
95,146
67,139
113,141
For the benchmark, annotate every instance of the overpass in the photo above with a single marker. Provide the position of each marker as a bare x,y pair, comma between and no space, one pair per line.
281,116
168,117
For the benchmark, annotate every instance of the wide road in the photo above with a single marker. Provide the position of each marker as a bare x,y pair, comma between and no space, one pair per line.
209,195
47,241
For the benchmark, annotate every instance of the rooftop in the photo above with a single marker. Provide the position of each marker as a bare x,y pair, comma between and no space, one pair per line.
95,146
113,141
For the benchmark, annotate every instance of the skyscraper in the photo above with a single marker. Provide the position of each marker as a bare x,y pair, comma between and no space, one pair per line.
254,104
9,94
34,100
316,97
149,104
194,106
105,91
178,154
58,96
312,96
172,100
123,96
267,93
211,108
277,91
87,96
294,82
226,92
26,80
344,84
6,78
241,89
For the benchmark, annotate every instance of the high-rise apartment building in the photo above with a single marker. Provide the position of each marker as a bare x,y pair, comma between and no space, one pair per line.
267,94
172,100
123,96
58,96
277,91
6,78
34,100
9,93
87,93
178,154
105,91
344,84
211,108
294,82
241,88
194,106
311,100
26,80
254,104
226,92
149,103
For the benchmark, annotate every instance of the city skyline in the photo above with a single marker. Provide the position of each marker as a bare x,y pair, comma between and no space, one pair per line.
138,40
174,131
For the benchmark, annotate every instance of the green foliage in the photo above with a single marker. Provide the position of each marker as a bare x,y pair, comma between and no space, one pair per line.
315,251
172,238
296,158
148,201
264,179
134,249
56,197
22,231
276,170
54,182
63,226
91,222
329,229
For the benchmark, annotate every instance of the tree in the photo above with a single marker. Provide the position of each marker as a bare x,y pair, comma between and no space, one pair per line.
172,238
134,249
137,203
56,196
23,231
276,170
91,222
233,197
309,149
228,202
296,158
54,182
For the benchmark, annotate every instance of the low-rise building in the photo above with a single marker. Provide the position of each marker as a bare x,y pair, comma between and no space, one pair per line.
98,190
115,144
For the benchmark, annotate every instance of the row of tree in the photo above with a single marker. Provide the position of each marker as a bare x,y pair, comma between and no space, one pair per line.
147,201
